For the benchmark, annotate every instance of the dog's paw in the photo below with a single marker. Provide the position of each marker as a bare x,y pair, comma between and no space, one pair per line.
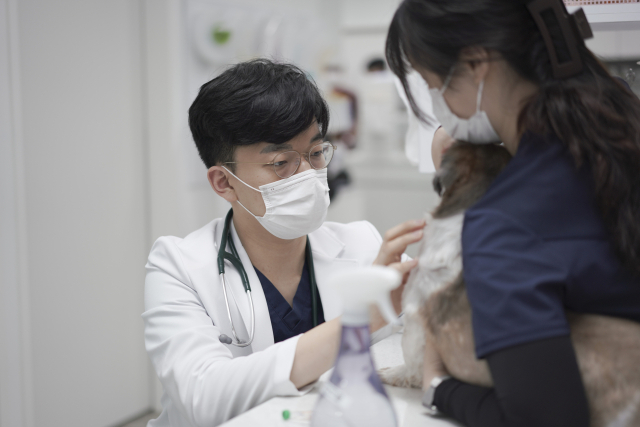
399,376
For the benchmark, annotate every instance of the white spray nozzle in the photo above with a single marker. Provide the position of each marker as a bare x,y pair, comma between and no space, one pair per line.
359,288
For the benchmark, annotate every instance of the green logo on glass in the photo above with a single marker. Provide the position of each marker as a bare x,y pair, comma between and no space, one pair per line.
220,35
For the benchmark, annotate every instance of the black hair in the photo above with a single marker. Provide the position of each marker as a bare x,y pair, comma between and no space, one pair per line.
252,102
595,117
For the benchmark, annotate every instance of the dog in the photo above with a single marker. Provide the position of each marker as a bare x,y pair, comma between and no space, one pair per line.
435,297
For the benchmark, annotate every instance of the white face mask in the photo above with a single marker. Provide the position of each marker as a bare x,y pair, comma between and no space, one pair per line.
476,129
296,206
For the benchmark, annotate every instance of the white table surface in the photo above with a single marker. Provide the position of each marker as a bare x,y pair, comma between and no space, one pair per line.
386,353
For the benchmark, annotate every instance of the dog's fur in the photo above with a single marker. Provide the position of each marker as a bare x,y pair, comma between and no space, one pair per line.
435,297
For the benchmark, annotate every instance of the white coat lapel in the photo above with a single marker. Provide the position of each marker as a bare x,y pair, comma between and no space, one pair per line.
200,257
326,249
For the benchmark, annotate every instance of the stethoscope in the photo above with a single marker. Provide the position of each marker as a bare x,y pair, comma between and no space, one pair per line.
234,259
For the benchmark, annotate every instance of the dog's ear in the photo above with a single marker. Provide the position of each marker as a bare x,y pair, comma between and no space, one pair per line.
458,176
446,175
453,179
437,184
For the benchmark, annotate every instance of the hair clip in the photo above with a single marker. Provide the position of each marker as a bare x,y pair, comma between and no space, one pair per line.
574,28
581,24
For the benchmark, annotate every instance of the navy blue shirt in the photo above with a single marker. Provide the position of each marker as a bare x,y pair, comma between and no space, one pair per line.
288,321
534,246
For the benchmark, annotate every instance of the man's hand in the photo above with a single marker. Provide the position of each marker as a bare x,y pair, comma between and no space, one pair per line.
393,246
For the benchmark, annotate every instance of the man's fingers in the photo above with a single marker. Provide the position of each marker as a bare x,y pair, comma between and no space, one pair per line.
392,251
404,228
397,246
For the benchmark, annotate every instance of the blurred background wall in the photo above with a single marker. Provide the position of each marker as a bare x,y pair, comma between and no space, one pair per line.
74,213
96,162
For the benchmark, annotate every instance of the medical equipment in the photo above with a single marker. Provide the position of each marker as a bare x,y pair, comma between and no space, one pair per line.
234,259
354,395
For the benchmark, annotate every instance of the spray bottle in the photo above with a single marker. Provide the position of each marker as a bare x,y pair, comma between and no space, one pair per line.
354,395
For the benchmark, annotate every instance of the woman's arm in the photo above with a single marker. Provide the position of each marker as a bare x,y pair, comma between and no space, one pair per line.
535,384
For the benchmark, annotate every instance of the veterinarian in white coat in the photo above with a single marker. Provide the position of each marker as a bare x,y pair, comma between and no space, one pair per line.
204,381
279,197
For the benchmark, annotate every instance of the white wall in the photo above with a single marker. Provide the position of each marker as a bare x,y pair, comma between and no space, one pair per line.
78,213
616,44
368,14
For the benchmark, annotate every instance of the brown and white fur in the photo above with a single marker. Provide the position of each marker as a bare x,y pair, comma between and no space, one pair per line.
435,297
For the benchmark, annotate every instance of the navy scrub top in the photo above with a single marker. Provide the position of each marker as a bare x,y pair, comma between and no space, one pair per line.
535,246
288,321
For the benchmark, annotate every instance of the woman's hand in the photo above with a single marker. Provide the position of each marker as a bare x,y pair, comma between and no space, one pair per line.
433,364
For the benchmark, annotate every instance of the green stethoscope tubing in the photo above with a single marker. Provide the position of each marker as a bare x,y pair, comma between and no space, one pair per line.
234,259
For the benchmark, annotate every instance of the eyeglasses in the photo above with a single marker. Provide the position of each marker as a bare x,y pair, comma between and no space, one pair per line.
285,164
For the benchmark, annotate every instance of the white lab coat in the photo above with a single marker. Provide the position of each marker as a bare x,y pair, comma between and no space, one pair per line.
206,382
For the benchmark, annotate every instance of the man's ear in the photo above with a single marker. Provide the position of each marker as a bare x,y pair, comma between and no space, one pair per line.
219,181
478,60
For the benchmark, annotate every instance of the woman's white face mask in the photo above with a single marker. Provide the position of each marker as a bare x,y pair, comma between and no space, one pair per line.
476,129
296,206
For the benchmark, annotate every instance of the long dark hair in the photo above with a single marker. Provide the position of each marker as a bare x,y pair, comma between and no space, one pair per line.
592,113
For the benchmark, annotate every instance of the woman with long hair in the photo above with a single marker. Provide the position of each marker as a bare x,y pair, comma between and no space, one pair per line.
559,229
